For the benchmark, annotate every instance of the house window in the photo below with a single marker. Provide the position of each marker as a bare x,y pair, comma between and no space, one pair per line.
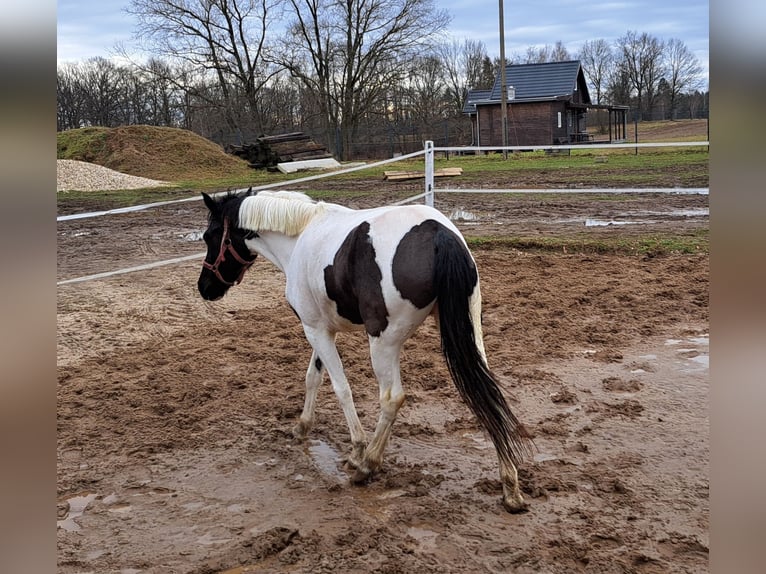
559,119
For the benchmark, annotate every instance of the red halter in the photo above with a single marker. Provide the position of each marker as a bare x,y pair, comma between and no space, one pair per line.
226,246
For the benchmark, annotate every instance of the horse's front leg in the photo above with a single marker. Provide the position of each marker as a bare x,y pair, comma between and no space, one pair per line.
323,343
314,375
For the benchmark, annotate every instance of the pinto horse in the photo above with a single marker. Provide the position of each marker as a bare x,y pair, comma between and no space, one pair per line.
383,270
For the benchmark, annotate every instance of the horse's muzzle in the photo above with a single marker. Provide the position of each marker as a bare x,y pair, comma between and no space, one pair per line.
211,289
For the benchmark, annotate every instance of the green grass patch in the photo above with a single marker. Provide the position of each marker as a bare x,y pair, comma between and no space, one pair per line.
85,144
652,245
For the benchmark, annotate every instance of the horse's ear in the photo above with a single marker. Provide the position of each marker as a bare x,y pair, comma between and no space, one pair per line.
210,202
250,191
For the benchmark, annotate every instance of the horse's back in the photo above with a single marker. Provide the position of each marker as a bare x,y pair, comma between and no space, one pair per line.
369,268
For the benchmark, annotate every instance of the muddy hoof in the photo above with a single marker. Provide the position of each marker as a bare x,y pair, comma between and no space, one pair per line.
360,476
300,431
515,506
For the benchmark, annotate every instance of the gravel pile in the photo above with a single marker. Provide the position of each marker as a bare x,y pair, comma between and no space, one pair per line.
74,175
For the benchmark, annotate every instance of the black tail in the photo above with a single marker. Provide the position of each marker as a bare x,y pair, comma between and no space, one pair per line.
455,277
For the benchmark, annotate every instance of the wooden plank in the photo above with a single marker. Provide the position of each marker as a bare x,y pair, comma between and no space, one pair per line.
398,175
402,175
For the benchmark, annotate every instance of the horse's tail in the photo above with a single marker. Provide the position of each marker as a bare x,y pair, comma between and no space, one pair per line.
458,299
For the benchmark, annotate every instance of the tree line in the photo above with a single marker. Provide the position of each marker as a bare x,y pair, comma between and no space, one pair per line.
367,79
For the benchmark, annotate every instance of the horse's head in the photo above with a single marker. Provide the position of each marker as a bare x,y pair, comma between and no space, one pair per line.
228,257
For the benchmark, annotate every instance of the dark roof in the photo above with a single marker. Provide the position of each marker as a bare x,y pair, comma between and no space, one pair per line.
540,81
531,82
475,96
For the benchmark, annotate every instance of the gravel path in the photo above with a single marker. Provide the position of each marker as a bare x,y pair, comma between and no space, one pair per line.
74,175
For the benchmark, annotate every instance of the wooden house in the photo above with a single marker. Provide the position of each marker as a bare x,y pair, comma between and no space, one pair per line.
547,104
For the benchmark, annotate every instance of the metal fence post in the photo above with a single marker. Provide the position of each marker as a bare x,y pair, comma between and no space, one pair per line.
429,153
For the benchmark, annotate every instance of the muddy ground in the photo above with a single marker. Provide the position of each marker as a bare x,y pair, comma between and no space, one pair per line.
174,415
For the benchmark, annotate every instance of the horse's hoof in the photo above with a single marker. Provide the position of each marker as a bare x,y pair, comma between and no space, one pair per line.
300,430
360,476
515,506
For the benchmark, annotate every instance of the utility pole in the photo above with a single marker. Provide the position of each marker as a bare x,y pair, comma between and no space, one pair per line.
503,85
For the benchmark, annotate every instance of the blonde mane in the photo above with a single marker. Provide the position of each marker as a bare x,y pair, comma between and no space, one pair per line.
287,212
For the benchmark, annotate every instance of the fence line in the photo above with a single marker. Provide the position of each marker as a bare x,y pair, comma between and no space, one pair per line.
428,148
626,145
593,190
428,151
131,269
254,188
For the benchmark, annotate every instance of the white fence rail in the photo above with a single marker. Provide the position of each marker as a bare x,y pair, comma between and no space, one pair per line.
428,152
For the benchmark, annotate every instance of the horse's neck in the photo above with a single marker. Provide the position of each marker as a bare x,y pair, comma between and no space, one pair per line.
276,247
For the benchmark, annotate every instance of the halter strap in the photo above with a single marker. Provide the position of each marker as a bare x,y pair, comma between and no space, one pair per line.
227,247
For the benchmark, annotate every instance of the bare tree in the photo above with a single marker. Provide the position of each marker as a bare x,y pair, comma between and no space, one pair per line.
426,90
547,53
225,37
71,99
163,94
489,71
348,52
535,55
559,53
597,59
683,72
103,83
462,65
618,87
641,59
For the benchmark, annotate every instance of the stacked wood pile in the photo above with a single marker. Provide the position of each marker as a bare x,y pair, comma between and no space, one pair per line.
268,151
442,172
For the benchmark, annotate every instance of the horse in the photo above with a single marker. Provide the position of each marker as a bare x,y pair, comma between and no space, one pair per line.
382,270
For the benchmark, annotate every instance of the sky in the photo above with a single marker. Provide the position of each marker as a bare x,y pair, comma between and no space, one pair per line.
89,28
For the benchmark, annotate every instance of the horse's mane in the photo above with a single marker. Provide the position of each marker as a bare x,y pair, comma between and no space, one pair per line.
287,212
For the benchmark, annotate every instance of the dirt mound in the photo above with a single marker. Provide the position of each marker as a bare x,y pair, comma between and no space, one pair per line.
167,154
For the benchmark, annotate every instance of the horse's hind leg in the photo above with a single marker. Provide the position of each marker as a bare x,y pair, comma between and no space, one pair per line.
323,344
509,476
385,364
313,379
512,499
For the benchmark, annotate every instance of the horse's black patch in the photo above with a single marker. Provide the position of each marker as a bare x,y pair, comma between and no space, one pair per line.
413,264
318,364
353,282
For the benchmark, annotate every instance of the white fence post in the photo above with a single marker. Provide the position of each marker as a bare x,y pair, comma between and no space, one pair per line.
429,153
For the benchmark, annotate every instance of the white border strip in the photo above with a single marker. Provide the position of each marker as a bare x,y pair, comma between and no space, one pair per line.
197,256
